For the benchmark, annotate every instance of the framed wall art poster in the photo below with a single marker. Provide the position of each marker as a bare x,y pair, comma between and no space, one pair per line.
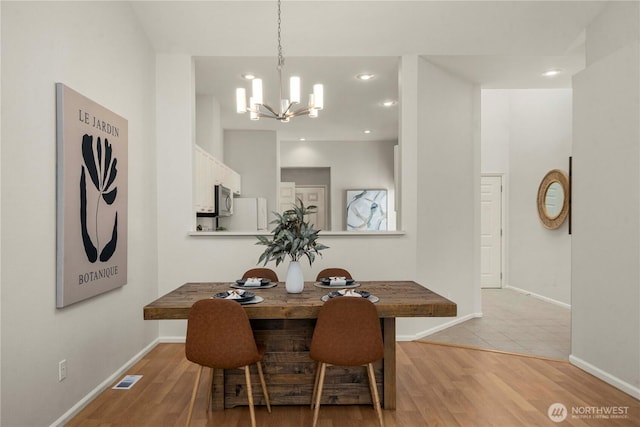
366,210
91,198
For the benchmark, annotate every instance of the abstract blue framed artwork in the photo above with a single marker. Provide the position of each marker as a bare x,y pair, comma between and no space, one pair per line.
91,199
366,210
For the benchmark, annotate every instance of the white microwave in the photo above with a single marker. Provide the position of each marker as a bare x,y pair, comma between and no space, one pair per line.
223,201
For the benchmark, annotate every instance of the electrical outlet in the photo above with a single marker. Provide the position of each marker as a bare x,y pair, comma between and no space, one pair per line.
62,370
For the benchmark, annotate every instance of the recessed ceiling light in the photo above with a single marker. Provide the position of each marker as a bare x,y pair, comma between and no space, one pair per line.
365,76
552,73
302,139
248,76
367,131
389,103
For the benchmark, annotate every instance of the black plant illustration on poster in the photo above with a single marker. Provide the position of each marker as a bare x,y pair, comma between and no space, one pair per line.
100,164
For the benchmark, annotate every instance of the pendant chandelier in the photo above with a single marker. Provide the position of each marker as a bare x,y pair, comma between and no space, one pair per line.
288,108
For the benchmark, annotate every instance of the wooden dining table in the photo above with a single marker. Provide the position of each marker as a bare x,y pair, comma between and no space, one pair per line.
284,323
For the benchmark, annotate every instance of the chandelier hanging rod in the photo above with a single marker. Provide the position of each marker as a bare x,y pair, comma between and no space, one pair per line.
287,108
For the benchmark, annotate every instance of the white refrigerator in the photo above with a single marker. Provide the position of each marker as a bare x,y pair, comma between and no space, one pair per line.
249,214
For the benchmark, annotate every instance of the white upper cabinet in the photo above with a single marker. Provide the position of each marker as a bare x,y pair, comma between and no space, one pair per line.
233,181
203,181
209,172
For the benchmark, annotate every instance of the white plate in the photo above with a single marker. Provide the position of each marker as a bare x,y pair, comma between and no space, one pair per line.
253,288
255,300
374,299
323,286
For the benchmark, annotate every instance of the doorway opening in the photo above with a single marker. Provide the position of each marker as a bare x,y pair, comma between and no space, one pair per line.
312,185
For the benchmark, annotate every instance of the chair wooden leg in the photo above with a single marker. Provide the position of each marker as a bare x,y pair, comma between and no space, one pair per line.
264,386
210,391
323,367
315,385
374,393
247,375
193,395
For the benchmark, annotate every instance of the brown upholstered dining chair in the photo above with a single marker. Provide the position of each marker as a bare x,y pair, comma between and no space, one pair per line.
347,333
219,336
333,272
265,273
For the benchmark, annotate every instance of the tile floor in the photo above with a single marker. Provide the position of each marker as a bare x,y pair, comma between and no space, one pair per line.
515,322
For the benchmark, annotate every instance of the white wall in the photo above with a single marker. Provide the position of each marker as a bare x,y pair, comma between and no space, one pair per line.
208,126
175,130
539,259
525,134
254,155
448,177
495,131
99,50
605,261
354,165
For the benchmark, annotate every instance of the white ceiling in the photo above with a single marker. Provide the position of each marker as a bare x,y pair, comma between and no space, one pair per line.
498,44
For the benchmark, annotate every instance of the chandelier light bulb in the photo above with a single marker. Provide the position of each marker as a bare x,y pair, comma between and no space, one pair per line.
318,96
241,100
294,89
256,89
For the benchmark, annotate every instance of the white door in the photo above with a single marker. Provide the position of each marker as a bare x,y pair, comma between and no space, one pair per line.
287,196
314,196
491,232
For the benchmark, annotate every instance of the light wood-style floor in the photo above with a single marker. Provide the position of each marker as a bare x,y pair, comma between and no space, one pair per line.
438,385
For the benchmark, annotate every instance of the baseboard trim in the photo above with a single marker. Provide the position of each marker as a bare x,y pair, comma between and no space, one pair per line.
67,416
173,340
438,328
541,297
605,376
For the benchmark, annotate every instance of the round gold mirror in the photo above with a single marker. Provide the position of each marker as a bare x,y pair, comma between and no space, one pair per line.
553,199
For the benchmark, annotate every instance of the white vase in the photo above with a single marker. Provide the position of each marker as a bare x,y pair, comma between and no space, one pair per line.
295,279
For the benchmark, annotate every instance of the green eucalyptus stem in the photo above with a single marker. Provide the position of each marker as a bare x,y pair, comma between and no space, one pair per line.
293,237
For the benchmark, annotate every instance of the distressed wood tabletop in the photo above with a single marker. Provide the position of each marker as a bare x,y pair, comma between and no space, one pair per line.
397,299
